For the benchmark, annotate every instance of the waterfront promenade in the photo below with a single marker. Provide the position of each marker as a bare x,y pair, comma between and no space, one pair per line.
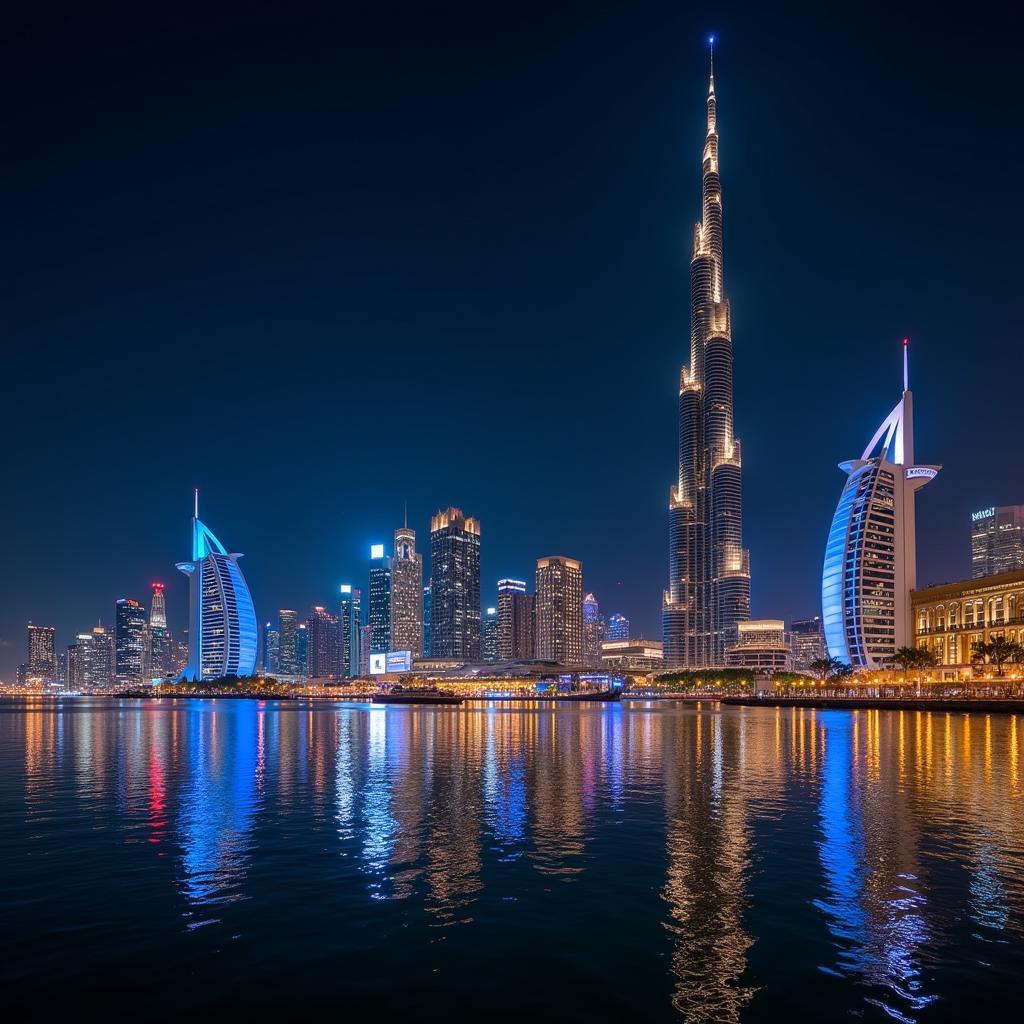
987,705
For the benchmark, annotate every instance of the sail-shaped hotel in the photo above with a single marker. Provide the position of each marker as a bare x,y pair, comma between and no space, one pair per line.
871,555
709,569
222,637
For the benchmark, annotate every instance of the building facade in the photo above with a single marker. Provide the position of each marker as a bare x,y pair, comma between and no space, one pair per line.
950,619
350,622
271,646
426,621
287,651
808,640
593,632
515,621
129,640
997,540
489,635
870,563
158,658
222,631
761,646
454,586
637,655
618,627
42,653
709,569
407,594
323,640
559,610
96,653
380,600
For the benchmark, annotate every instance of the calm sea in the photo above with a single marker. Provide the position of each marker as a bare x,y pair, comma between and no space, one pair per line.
649,861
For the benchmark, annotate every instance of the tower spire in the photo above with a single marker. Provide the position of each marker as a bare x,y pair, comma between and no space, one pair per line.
196,507
906,367
711,79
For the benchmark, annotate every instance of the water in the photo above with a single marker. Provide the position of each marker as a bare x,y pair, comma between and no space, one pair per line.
651,861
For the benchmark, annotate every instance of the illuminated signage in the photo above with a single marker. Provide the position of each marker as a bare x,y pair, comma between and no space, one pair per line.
376,550
378,664
398,661
916,472
985,513
346,588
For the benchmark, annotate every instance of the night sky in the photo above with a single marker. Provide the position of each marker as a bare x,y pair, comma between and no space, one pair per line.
318,264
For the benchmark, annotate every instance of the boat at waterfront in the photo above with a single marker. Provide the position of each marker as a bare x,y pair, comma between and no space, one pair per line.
416,695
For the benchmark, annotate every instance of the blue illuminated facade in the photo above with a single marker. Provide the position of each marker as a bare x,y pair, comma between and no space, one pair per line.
222,634
870,564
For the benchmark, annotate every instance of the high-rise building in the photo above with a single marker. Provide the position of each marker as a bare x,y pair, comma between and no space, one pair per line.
426,621
129,640
222,636
380,600
808,638
74,673
593,632
489,635
871,555
515,621
323,634
997,540
158,639
559,610
618,627
350,622
406,594
455,586
709,569
271,647
302,649
97,659
287,654
365,643
42,657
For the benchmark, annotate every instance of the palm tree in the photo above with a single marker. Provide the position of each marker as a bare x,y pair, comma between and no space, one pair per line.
997,651
826,668
907,658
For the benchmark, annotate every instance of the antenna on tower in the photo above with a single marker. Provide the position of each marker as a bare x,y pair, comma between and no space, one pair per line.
197,503
906,366
406,521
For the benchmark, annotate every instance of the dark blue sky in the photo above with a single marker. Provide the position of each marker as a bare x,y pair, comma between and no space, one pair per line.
319,263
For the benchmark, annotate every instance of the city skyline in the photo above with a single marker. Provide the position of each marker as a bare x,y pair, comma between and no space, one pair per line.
298,554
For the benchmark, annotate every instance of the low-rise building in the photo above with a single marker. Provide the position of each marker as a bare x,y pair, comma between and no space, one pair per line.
762,645
950,618
633,655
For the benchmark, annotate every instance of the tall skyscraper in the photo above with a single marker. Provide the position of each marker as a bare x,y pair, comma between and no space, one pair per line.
365,643
709,570
323,635
96,659
593,632
871,556
74,676
350,622
271,647
515,621
380,600
455,586
42,656
997,540
222,638
407,594
489,635
287,654
426,621
560,610
129,640
808,637
158,639
302,649
618,627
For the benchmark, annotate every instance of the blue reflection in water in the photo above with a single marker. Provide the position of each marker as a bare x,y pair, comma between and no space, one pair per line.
379,824
219,800
874,909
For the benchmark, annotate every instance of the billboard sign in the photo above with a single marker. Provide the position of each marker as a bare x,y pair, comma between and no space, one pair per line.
398,661
378,664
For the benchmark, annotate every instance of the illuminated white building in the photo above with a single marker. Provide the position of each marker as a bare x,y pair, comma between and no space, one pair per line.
871,555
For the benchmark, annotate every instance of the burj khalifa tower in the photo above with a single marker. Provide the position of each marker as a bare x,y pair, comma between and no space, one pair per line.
709,569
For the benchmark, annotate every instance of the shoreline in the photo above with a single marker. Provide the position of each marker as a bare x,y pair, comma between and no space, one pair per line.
986,705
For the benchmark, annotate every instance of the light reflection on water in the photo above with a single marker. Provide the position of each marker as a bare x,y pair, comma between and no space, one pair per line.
725,862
